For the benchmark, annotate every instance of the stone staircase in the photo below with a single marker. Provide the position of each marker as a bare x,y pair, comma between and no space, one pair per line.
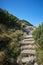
28,47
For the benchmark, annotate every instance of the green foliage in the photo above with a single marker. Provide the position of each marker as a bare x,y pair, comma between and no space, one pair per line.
4,40
24,22
38,36
10,35
29,63
9,19
10,43
40,56
14,47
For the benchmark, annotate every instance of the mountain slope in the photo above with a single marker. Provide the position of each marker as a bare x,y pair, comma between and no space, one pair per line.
11,33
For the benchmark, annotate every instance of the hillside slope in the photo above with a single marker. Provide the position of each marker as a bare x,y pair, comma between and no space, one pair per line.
11,33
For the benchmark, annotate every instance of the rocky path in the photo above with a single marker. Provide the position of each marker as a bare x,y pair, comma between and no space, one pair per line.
28,47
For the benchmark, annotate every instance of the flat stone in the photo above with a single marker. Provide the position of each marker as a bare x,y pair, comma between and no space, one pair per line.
35,63
28,46
29,51
27,59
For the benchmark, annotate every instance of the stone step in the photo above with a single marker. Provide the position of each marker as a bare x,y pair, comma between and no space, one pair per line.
27,59
28,36
29,39
25,42
28,46
28,51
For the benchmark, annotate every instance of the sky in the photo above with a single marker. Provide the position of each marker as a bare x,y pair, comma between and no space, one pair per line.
30,10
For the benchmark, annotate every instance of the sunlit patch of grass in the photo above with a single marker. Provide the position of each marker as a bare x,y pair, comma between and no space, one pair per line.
2,55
